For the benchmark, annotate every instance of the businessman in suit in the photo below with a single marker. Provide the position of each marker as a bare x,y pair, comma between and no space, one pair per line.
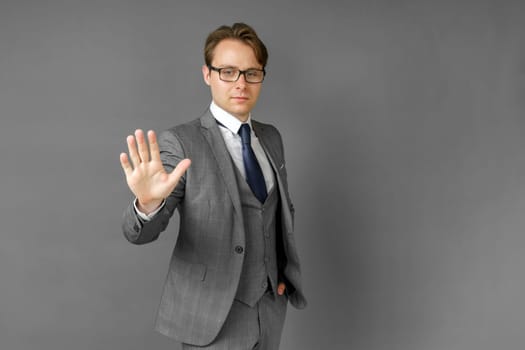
234,266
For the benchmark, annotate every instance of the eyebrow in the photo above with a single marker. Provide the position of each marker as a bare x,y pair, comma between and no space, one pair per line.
231,66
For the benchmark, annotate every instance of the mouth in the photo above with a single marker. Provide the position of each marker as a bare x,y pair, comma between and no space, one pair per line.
240,98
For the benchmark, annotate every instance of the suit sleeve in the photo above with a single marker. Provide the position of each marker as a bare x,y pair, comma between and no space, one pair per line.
138,231
282,259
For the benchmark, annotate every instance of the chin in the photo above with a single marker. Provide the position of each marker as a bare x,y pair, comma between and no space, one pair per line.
240,113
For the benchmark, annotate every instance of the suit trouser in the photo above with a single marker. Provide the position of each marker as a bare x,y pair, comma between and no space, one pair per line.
247,328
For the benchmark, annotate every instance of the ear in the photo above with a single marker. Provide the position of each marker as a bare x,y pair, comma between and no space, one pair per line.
206,74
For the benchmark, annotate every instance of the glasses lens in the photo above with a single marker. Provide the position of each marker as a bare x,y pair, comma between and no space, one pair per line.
254,75
229,74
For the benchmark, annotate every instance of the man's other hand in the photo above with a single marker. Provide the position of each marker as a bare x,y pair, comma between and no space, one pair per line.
281,288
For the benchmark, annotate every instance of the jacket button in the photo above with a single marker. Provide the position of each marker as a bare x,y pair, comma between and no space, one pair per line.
239,249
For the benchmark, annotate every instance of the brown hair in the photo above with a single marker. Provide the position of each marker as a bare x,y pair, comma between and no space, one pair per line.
238,31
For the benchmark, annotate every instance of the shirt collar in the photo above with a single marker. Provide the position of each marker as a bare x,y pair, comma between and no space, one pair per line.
226,119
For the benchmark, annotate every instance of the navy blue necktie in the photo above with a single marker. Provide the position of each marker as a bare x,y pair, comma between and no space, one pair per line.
254,175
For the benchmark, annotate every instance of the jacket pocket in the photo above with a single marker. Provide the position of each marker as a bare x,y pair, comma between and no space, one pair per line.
187,269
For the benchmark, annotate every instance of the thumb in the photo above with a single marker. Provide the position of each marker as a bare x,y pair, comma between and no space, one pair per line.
179,170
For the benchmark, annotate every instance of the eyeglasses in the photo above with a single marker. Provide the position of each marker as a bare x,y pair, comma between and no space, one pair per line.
253,76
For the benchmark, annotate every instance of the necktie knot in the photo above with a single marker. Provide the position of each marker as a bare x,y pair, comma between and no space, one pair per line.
244,132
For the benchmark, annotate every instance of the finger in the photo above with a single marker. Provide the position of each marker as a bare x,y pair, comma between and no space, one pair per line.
142,145
132,149
153,146
281,288
124,162
179,170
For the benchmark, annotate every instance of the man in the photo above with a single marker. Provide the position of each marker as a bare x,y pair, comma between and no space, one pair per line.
234,266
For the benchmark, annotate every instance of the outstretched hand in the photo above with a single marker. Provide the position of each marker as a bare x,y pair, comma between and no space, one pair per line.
145,175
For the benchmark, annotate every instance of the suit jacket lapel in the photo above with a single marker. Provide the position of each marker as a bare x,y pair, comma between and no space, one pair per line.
213,135
277,162
267,145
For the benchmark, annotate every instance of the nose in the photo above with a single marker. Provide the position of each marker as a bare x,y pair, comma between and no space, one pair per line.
241,82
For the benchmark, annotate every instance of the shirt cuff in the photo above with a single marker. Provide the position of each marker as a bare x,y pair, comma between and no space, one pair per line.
144,216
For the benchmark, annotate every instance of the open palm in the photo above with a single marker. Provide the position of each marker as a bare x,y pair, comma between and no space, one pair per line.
145,174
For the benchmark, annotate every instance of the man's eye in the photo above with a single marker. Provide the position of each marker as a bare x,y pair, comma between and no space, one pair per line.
253,73
229,72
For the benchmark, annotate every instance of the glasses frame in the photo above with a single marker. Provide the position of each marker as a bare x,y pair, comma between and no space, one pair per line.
241,72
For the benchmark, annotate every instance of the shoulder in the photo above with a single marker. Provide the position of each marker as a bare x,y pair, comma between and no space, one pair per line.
180,139
185,128
267,130
183,132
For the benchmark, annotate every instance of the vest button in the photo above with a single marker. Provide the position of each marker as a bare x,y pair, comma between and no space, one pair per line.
239,249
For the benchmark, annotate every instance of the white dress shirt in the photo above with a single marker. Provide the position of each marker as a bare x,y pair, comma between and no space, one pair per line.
229,130
229,127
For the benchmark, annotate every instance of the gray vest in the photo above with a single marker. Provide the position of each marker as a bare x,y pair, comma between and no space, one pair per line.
260,259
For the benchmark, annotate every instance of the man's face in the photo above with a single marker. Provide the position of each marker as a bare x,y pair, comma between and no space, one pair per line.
237,98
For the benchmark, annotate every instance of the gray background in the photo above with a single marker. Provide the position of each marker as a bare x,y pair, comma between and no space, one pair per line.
404,132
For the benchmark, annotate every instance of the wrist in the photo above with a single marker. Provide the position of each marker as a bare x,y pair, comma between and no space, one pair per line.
148,207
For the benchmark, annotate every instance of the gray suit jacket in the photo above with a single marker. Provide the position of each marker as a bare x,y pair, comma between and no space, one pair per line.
206,263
